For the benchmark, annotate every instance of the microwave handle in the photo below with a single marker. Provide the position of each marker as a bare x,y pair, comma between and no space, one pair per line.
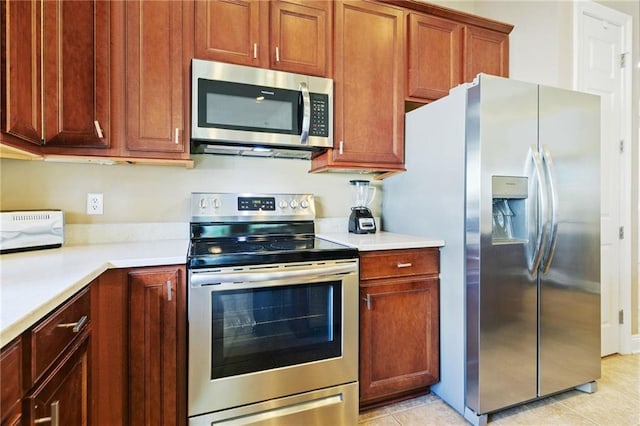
306,113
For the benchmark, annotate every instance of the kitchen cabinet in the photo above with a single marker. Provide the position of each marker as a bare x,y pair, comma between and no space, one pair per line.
63,396
45,370
434,50
57,73
11,376
399,324
156,70
485,51
443,54
157,346
287,35
110,343
368,88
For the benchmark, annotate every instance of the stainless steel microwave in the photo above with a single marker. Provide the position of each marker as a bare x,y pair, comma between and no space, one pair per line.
254,111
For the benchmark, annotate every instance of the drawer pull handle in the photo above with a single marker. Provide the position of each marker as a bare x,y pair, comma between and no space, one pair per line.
77,326
404,265
55,415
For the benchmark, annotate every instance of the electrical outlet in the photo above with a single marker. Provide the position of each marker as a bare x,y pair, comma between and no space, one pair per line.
94,203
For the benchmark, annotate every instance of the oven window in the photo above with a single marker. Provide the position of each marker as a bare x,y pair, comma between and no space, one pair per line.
263,328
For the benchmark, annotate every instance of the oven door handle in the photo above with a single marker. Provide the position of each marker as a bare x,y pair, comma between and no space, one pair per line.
200,279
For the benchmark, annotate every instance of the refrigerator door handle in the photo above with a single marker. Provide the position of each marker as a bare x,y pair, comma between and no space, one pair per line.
547,160
534,262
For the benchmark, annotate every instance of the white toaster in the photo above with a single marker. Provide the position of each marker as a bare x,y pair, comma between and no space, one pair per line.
31,230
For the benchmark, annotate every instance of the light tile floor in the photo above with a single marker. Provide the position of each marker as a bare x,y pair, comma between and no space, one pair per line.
616,403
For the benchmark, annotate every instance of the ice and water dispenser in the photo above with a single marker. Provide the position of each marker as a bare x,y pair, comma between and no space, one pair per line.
509,197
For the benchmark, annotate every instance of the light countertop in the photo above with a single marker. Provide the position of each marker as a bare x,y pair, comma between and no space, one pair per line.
36,282
381,240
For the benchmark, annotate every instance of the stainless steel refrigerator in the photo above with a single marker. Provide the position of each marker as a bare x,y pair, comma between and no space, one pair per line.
508,174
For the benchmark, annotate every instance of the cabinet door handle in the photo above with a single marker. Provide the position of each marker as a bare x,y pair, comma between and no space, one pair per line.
255,50
55,415
367,300
176,136
98,129
404,265
277,54
169,289
76,326
341,149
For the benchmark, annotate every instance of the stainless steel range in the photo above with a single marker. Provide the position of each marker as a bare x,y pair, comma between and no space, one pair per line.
273,314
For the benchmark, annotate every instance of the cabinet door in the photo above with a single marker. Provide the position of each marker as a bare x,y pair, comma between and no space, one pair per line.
434,50
369,84
154,76
22,108
300,36
109,348
76,73
485,51
234,31
398,337
63,394
157,346
11,376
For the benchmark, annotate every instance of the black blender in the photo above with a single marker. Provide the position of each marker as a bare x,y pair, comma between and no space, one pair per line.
361,220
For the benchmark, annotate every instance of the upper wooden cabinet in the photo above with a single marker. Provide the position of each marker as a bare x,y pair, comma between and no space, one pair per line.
485,51
155,74
443,53
368,88
22,70
300,36
434,49
291,35
57,79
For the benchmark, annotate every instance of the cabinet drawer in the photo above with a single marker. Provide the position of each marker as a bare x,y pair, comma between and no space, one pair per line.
11,377
398,263
50,338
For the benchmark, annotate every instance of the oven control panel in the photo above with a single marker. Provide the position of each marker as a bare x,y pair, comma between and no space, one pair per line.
247,207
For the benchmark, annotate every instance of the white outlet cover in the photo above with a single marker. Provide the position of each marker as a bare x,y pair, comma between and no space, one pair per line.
94,203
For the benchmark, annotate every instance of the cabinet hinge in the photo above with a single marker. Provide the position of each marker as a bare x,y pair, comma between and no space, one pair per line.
623,60
621,233
620,316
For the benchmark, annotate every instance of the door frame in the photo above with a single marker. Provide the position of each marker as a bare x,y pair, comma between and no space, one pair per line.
600,11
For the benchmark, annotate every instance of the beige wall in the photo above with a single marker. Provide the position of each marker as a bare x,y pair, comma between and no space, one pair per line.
134,193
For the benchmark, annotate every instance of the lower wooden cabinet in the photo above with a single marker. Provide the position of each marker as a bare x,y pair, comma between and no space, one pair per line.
140,340
45,371
399,324
62,397
11,377
157,333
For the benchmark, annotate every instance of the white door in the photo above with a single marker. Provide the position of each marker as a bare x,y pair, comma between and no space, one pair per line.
600,44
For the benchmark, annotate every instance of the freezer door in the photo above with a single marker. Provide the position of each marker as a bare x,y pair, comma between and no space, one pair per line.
502,128
570,287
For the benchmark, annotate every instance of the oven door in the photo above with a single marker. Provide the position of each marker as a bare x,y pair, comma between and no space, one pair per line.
265,332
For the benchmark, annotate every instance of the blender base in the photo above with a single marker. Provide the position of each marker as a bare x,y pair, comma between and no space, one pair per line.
361,221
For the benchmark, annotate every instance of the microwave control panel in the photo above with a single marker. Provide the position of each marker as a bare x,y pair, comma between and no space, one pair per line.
319,125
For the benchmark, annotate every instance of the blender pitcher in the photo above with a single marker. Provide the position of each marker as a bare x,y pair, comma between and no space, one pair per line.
361,220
